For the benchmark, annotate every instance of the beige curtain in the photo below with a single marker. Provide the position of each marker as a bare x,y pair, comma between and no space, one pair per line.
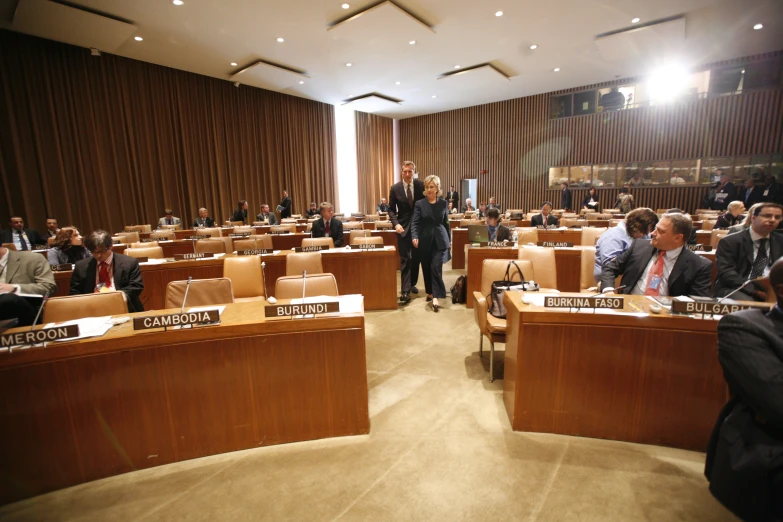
375,158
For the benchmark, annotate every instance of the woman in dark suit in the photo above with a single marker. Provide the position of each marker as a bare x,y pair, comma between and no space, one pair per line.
591,201
430,234
733,215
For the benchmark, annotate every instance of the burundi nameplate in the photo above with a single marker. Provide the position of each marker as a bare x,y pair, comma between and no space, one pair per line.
613,303
497,244
169,320
365,246
64,267
198,236
39,336
311,248
255,252
240,234
714,308
301,309
187,257
555,244
699,248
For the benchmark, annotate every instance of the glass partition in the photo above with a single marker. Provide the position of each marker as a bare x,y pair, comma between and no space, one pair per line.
582,176
747,166
557,175
776,167
708,175
630,174
605,175
686,170
656,173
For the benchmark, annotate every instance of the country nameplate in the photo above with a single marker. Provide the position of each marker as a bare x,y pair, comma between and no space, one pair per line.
169,320
699,248
497,244
279,232
40,247
39,336
254,252
613,303
289,310
311,248
198,236
148,240
555,244
187,257
240,235
715,308
365,246
63,267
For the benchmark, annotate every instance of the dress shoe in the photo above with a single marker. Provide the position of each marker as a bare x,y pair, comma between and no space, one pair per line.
405,298
435,305
414,290
429,298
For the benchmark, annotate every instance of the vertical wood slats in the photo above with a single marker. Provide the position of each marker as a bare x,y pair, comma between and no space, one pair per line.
374,159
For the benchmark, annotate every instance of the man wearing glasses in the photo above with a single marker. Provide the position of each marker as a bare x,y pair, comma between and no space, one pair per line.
106,271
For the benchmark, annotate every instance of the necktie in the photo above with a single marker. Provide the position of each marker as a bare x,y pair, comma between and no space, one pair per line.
103,275
761,260
168,222
326,226
23,242
656,270
409,193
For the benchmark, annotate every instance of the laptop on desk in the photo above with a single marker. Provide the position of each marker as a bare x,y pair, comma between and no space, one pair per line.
478,234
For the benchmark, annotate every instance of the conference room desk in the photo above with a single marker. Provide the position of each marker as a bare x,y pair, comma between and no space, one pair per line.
82,410
568,263
649,380
371,273
703,237
389,236
459,238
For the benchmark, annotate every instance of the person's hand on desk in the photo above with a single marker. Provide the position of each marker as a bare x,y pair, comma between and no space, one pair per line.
5,288
608,291
399,229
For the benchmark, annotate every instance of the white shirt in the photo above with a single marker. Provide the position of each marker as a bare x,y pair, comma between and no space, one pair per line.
17,242
756,237
669,259
3,268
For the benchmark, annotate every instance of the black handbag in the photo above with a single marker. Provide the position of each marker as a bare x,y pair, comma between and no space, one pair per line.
499,288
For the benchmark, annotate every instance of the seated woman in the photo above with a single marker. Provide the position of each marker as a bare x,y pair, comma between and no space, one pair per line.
67,247
590,202
733,215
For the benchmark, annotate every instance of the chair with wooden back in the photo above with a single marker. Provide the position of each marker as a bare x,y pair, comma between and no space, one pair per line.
247,279
356,233
586,278
165,235
318,241
372,240
708,224
290,287
284,228
203,292
384,225
716,236
150,252
527,235
145,244
129,237
297,263
70,307
211,231
543,260
590,235
254,243
213,246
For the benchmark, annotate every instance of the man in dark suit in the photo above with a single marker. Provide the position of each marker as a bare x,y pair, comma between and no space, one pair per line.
382,207
267,216
453,197
468,206
492,204
545,217
725,192
749,254
566,197
754,192
744,464
52,227
661,266
285,206
203,220
22,238
496,232
107,271
328,226
403,195
482,211
23,273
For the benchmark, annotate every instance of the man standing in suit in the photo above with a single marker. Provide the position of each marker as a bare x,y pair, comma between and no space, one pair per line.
403,195
169,219
22,238
23,273
285,206
743,457
328,226
725,192
453,198
566,198
52,227
106,271
661,266
545,217
267,216
749,254
203,220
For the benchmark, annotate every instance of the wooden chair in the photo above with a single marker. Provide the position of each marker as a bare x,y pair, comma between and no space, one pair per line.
165,235
152,252
144,245
214,246
203,292
353,225
212,231
527,235
296,263
247,280
708,224
68,308
316,241
367,241
129,237
586,278
384,225
290,287
543,260
284,228
254,243
716,236
171,227
590,235
356,233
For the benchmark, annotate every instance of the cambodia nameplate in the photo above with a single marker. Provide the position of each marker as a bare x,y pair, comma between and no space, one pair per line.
170,320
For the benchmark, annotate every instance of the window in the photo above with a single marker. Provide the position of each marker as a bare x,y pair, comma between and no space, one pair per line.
747,166
776,167
605,175
557,175
708,174
630,174
582,176
656,173
616,98
561,106
686,170
585,102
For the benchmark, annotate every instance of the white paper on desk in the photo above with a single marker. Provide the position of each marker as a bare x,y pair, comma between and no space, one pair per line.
220,254
609,311
164,241
205,308
88,327
351,303
537,299
155,261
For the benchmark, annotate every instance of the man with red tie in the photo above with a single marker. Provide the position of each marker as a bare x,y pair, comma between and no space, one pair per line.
403,195
106,271
661,266
328,226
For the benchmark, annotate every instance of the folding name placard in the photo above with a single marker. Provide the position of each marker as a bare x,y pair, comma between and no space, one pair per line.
497,244
365,246
170,320
312,248
555,244
64,267
613,303
289,310
240,234
699,248
713,307
255,252
198,236
186,257
39,336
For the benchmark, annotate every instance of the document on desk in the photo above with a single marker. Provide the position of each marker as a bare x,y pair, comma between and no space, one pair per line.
155,261
609,311
349,304
88,327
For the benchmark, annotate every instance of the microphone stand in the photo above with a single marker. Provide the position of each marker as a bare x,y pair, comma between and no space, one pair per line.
184,299
746,283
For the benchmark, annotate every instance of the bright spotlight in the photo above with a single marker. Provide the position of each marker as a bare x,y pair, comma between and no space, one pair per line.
667,83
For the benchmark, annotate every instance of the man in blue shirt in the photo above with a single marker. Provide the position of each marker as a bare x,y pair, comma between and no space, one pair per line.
638,224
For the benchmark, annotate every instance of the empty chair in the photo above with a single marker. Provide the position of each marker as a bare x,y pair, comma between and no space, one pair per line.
172,227
290,287
166,235
708,224
591,234
213,231
586,278
203,292
384,225
129,237
244,230
353,225
206,246
284,228
527,235
72,307
296,263
235,223
254,243
152,252
465,222
367,240
318,241
717,235
568,223
356,233
146,244
543,260
247,279
138,228
288,221
490,326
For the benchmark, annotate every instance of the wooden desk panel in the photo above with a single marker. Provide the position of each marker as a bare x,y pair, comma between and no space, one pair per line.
651,380
459,238
80,411
389,236
288,241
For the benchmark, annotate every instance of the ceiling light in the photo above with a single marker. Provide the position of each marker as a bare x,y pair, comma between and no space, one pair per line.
534,47
557,69
281,40
177,2
434,96
396,83
499,13
348,64
138,38
635,21
345,6
757,27
667,83
743,71
233,64
301,82
457,66
412,42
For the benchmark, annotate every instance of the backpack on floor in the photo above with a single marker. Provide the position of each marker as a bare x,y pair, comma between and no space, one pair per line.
459,292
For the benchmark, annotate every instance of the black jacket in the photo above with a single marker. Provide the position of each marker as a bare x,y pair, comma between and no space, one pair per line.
566,199
723,196
430,225
335,230
734,259
240,215
286,211
127,278
690,275
538,220
503,233
400,213
727,220
34,237
209,222
453,197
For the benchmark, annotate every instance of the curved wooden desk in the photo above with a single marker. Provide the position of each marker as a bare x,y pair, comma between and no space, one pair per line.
78,411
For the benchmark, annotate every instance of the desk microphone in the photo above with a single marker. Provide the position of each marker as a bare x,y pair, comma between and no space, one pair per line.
263,276
40,310
746,283
184,299
304,283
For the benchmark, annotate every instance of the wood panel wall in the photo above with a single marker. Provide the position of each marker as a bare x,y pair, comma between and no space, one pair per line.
516,142
374,158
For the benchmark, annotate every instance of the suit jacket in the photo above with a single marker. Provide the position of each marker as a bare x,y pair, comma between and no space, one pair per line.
335,230
31,272
174,221
286,211
430,225
721,202
503,234
471,209
127,278
734,259
209,222
566,198
400,213
538,220
753,195
271,218
690,275
744,464
454,198
726,220
32,235
58,257
239,215
382,207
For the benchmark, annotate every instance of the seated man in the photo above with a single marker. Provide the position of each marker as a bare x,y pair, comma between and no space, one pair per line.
51,228
545,218
743,457
267,216
22,238
482,212
468,206
496,232
748,254
661,266
692,240
313,210
106,271
328,226
23,273
168,219
383,207
203,220
616,240
492,204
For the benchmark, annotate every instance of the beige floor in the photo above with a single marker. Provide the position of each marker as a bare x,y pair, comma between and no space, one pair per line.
440,448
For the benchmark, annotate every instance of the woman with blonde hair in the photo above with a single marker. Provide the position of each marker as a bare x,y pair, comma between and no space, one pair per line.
430,235
733,215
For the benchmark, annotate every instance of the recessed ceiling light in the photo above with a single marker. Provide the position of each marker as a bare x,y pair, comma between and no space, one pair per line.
757,27
301,82
499,13
345,6
233,64
743,71
177,2
138,38
434,96
281,40
396,83
635,21
348,64
412,42
457,66
557,69
534,47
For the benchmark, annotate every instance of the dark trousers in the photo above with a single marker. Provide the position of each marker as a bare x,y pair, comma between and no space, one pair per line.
11,305
409,262
432,267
